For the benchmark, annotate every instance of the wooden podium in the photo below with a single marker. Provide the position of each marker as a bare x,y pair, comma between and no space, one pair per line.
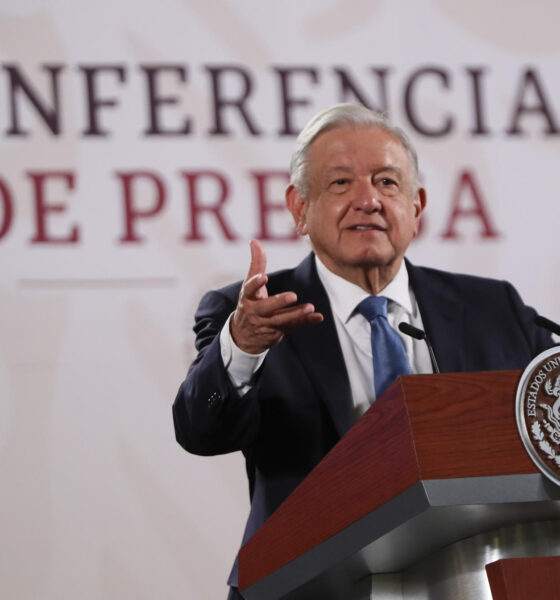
431,485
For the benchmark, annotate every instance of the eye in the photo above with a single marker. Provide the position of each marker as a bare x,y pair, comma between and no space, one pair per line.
387,185
340,184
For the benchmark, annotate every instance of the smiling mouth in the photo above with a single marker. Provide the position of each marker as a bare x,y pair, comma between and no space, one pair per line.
367,228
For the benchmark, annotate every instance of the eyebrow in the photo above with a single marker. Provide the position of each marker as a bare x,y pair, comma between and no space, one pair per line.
341,168
337,168
391,168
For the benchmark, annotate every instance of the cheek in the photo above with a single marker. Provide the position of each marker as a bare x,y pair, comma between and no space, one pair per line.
404,220
325,213
337,208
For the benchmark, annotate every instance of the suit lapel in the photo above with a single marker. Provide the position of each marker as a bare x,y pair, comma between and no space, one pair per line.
443,318
319,349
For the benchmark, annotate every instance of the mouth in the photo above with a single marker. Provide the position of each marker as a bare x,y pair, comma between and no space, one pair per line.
366,228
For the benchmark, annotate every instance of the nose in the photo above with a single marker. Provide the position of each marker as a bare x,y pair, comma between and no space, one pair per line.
367,198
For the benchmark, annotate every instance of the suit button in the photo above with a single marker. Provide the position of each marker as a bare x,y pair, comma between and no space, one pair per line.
214,398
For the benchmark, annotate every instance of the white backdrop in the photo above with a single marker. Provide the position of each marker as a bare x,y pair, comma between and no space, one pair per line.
175,111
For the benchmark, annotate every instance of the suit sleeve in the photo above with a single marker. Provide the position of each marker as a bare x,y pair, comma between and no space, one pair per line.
209,415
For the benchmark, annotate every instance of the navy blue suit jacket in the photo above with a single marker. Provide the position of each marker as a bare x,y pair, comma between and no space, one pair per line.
301,404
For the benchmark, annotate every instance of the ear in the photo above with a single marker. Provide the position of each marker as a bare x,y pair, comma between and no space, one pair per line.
298,207
419,203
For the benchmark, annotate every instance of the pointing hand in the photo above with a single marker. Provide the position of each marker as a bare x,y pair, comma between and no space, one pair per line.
260,321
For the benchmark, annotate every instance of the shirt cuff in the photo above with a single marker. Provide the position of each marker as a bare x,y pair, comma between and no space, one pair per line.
241,366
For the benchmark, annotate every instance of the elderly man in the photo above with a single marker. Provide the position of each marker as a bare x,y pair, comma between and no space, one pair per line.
288,361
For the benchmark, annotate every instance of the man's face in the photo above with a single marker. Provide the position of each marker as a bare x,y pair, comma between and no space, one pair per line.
361,210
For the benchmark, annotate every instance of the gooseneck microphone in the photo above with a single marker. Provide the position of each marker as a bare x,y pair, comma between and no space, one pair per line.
419,334
548,324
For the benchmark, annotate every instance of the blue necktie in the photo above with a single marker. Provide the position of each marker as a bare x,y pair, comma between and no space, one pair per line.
389,355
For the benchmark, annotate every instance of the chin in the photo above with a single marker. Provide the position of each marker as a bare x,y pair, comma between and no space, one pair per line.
373,258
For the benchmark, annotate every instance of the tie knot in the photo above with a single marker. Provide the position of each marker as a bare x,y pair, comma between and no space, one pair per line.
373,306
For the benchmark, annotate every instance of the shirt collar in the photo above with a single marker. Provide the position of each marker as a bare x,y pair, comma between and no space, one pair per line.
344,296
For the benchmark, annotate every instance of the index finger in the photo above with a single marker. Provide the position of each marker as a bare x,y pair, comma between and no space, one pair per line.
258,259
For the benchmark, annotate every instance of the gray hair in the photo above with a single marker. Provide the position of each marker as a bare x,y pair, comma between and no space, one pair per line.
343,115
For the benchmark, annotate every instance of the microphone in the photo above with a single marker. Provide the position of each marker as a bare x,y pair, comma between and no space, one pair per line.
418,334
548,324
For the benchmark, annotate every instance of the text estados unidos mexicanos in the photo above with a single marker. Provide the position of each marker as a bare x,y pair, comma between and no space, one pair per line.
534,386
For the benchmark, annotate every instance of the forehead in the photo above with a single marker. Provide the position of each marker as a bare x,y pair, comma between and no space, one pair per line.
361,147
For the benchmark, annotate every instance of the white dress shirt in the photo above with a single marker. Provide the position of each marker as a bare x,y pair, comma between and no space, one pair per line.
353,332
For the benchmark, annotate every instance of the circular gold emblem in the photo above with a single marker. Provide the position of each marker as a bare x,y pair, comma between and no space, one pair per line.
537,410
